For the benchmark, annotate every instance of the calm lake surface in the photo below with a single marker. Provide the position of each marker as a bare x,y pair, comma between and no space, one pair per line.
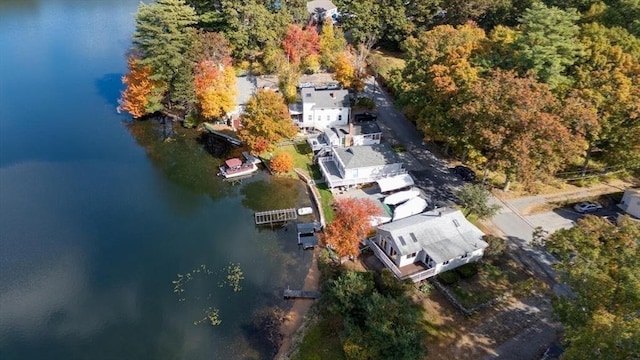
98,215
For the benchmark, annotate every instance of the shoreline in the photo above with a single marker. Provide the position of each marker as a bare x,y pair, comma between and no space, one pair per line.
296,316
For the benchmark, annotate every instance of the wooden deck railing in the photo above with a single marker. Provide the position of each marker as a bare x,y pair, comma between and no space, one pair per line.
357,181
415,277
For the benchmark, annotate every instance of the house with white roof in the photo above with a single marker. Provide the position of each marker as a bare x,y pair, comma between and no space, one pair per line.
321,109
321,9
424,245
355,165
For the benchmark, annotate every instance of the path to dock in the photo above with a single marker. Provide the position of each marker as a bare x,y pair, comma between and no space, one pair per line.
231,140
314,192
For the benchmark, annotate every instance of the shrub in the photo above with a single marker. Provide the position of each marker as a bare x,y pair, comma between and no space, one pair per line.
448,277
282,162
467,270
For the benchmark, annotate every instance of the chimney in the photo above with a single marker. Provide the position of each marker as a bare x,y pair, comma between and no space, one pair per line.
350,136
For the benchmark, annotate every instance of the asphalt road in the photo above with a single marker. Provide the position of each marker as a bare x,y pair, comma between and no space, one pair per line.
430,173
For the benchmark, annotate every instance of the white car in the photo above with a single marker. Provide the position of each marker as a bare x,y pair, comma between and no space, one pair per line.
587,206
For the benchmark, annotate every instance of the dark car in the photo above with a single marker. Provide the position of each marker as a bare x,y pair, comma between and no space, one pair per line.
367,116
465,173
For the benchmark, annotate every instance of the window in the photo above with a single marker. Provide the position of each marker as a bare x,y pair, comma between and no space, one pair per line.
328,117
411,256
319,118
445,263
392,251
339,117
464,256
310,117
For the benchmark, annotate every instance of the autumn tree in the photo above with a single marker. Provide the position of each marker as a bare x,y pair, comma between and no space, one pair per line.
282,162
266,121
142,95
344,70
440,68
601,263
458,12
332,43
351,224
300,43
513,122
288,77
215,86
608,83
164,35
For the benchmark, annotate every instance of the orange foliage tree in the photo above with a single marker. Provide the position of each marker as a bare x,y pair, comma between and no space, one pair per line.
215,86
301,43
350,225
266,121
282,162
142,95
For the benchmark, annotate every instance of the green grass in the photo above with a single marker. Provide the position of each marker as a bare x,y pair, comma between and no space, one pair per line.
326,198
321,341
383,62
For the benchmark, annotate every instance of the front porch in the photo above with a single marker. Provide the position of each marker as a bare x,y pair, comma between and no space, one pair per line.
417,271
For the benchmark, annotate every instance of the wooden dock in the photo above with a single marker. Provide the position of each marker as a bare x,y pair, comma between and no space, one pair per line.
229,139
275,216
300,294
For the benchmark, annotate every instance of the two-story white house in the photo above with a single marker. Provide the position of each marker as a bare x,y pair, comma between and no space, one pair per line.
321,9
321,109
355,165
423,245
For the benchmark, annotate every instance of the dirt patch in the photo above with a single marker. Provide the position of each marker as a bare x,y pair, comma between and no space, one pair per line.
296,316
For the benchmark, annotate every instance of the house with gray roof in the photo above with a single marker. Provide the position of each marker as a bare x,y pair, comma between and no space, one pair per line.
368,133
356,165
322,109
423,245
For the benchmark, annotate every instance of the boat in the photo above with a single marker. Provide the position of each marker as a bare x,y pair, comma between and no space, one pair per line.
305,211
401,196
234,167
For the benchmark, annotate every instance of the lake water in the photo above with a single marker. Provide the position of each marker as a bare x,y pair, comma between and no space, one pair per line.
99,215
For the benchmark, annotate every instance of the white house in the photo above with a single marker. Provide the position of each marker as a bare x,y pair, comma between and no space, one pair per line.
631,202
423,245
321,9
321,109
357,165
352,135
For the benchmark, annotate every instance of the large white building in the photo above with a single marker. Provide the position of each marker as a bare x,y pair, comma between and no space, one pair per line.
322,109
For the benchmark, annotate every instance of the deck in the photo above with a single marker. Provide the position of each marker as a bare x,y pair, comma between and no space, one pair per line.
231,140
275,216
300,294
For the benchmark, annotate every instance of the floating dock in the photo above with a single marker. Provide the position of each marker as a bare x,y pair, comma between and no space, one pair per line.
300,294
275,216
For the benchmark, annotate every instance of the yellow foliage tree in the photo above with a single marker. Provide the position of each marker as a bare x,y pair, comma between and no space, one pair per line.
282,162
344,69
215,86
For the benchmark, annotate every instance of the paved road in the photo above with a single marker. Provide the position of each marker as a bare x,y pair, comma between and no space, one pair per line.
431,173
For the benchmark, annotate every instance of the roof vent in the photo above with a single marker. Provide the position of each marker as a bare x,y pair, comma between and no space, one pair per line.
333,95
456,223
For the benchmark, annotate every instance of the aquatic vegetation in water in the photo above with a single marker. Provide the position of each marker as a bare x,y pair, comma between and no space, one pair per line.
233,278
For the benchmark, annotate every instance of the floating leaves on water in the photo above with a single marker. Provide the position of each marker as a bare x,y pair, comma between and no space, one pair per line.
232,278
212,315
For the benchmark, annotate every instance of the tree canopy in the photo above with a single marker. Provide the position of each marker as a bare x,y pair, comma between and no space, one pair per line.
601,263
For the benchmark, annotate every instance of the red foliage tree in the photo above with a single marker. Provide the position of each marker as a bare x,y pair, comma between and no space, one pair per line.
300,43
351,224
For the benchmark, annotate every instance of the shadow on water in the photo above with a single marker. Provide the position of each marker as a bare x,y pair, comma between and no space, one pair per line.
109,87
176,151
259,195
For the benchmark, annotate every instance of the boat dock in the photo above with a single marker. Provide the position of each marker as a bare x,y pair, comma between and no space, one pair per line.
275,216
300,294
229,139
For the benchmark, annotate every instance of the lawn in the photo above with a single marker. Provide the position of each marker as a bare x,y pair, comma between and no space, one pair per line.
303,159
491,281
383,62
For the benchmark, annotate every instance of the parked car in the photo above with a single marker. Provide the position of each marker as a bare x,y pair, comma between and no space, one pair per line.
367,116
587,206
466,173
